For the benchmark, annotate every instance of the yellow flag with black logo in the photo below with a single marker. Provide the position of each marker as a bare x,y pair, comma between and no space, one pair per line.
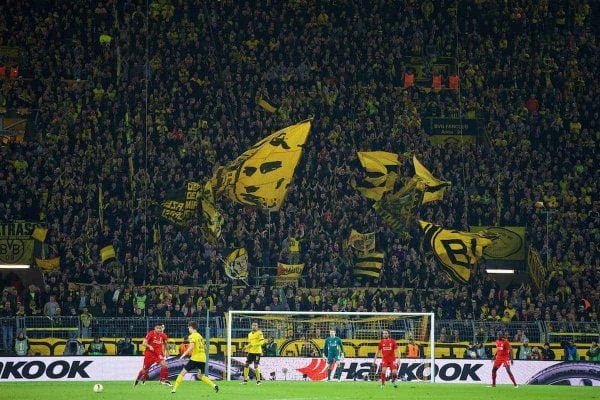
362,241
262,174
107,252
456,251
288,274
510,244
433,187
381,172
48,265
398,209
236,264
369,264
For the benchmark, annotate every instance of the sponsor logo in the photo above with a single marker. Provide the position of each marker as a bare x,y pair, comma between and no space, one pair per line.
568,373
12,370
447,372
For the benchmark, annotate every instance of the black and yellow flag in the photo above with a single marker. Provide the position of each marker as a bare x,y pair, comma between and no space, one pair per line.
537,270
262,174
368,264
180,207
39,233
362,241
433,187
236,264
107,252
288,274
381,172
456,251
48,265
399,209
212,218
265,105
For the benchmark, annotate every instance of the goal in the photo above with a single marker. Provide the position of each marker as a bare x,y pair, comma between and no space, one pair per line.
295,343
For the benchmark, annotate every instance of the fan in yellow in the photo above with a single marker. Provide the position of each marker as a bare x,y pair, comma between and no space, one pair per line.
262,174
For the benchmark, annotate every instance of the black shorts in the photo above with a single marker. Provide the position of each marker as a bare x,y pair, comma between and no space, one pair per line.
195,365
253,358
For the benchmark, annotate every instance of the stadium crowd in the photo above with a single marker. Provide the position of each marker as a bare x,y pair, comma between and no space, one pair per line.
136,105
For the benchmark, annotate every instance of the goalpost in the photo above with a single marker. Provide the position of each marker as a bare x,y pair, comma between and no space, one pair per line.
296,341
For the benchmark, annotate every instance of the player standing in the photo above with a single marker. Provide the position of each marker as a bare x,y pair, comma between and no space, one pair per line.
388,348
155,352
333,350
197,359
504,358
254,350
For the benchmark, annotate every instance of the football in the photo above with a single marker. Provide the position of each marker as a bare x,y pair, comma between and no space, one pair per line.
98,388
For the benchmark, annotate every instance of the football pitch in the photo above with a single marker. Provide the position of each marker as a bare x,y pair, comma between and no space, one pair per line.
291,390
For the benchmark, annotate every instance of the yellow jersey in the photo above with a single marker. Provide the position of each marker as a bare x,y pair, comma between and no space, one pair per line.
255,342
199,352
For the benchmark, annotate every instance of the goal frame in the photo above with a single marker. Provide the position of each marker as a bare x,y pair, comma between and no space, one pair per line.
231,313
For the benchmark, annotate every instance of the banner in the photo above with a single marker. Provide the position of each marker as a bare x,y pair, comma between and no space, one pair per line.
510,244
537,270
48,265
288,274
16,242
362,241
180,207
368,264
443,131
262,174
236,264
456,252
418,370
107,252
398,209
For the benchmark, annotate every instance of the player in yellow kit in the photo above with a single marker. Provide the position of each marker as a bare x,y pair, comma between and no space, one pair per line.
197,358
254,350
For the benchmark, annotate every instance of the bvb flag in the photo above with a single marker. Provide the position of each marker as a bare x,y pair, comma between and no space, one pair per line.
213,220
368,264
398,209
262,174
381,171
107,252
288,274
456,251
48,265
236,264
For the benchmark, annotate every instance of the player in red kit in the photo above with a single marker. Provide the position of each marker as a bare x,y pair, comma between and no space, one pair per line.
388,348
503,358
155,353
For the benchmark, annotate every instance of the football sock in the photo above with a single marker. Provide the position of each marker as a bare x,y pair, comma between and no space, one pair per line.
207,380
246,370
164,374
257,371
178,382
383,378
512,378
493,378
140,374
394,376
329,372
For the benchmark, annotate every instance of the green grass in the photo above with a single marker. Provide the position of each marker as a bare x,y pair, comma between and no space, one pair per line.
291,390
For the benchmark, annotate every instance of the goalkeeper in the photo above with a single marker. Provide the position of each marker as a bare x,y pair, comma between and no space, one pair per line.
333,351
254,349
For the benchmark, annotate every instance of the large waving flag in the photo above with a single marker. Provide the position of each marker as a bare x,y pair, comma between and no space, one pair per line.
456,251
381,171
433,187
398,209
180,206
262,174
212,219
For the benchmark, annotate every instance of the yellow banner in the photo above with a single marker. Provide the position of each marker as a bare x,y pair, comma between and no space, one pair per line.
39,234
262,174
16,242
288,273
107,252
48,265
510,244
266,106
456,252
537,270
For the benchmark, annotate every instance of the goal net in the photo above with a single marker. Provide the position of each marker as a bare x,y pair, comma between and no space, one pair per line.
295,340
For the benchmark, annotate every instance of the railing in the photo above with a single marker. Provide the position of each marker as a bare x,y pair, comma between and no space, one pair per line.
582,332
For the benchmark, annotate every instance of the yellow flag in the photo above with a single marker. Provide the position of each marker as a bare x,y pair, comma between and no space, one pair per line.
288,273
39,234
369,264
381,171
107,252
48,265
434,188
236,264
212,219
456,251
362,241
266,106
262,174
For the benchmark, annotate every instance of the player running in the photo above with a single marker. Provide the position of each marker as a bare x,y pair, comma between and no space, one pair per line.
197,359
254,350
334,351
155,353
504,358
388,348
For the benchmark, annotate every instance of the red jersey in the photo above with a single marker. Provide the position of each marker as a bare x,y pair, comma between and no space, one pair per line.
503,349
157,341
388,349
